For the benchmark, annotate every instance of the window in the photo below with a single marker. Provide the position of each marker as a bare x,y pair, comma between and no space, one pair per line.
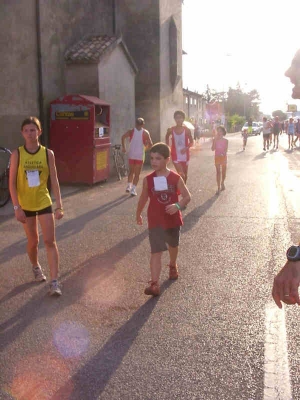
186,100
195,102
191,101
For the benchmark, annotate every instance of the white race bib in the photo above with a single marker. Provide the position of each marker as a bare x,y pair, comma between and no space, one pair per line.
160,183
33,178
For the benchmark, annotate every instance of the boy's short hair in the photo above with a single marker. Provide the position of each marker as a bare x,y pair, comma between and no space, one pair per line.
221,128
32,120
179,112
161,148
140,121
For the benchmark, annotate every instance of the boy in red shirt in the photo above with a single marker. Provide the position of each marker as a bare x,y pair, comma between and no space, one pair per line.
164,213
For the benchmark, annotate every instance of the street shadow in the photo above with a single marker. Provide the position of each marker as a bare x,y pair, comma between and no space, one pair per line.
260,156
89,275
192,218
71,227
17,290
90,381
240,152
75,225
4,218
73,190
273,151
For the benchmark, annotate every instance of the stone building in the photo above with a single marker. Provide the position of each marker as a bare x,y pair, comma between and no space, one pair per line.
139,73
194,106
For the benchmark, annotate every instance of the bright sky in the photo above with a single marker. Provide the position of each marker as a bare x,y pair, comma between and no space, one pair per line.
250,42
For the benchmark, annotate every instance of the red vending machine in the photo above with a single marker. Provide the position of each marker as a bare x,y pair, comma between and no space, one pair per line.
80,138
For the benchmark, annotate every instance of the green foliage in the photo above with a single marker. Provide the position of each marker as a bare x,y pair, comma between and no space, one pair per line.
282,115
235,120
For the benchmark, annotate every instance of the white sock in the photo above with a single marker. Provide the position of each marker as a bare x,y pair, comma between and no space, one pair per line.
133,187
129,185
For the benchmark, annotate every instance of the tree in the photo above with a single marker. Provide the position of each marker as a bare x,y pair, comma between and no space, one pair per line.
282,115
235,122
235,102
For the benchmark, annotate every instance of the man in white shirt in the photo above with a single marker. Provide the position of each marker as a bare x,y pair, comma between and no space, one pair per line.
140,140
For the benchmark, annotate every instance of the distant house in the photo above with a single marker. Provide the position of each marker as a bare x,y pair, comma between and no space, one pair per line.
194,106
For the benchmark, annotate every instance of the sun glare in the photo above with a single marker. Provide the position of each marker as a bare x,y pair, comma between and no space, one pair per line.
227,44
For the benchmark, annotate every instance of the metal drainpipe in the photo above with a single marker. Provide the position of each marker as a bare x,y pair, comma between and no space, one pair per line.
114,22
40,71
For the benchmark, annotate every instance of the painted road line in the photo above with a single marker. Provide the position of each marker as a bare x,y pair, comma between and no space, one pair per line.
277,385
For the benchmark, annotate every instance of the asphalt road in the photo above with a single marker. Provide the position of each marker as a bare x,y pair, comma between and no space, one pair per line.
213,334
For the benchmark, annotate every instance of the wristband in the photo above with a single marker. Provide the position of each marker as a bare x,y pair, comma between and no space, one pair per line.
60,209
178,206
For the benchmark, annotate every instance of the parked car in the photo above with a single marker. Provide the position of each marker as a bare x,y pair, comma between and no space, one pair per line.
256,128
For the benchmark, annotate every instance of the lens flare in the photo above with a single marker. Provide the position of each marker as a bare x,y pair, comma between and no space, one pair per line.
71,339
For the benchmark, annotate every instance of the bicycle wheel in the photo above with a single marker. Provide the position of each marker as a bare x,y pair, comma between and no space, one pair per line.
117,165
123,165
4,189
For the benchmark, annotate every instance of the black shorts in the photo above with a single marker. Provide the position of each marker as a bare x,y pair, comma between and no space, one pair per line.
47,210
159,238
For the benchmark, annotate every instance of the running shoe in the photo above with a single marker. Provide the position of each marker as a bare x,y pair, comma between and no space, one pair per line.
133,192
222,186
153,289
54,289
38,274
173,272
128,188
264,149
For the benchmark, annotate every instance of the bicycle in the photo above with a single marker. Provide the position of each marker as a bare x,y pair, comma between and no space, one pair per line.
4,164
119,161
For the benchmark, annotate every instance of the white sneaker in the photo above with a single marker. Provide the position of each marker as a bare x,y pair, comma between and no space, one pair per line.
54,289
133,192
38,274
128,188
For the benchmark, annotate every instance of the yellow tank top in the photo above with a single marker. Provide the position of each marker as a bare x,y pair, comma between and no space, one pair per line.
32,178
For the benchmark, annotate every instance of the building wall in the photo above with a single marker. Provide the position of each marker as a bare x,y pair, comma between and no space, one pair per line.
18,65
145,28
117,86
62,23
82,79
138,21
171,97
144,25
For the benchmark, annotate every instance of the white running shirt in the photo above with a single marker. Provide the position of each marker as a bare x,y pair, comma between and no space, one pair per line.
136,149
179,145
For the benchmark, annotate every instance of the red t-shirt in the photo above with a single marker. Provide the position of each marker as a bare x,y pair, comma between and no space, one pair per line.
157,215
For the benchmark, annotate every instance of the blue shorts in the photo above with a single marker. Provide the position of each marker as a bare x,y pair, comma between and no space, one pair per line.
160,237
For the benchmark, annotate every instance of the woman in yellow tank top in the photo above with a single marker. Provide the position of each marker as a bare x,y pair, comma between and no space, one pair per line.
32,165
